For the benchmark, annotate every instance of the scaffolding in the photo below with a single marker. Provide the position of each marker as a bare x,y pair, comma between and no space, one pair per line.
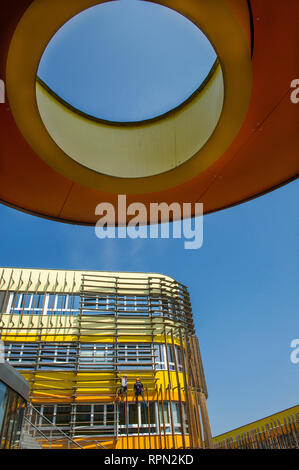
275,434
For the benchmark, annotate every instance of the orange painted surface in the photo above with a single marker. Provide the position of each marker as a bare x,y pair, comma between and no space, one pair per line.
263,156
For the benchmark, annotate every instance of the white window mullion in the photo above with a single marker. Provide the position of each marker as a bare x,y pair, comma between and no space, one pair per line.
91,415
46,304
164,356
66,303
9,304
18,307
30,302
55,303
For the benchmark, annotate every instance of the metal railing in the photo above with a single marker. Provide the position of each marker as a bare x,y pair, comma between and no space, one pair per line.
47,435
272,435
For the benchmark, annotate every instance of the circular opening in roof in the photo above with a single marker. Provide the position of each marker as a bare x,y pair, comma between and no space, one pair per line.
126,60
129,62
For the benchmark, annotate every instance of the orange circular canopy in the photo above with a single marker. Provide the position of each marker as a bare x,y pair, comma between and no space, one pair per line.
249,148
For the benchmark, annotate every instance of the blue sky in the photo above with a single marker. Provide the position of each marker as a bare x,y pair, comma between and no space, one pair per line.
242,281
127,60
243,286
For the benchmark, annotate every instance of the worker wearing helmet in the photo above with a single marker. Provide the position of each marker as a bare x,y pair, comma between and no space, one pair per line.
138,389
123,386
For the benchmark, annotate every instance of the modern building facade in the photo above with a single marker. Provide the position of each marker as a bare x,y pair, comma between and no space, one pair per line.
72,334
277,431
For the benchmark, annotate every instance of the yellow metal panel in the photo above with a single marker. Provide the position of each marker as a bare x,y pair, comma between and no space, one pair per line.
69,281
133,442
134,151
257,424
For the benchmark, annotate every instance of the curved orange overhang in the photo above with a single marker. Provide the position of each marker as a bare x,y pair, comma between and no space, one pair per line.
262,156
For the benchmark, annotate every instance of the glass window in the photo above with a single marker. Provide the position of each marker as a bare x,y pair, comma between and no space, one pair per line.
33,303
18,421
170,354
109,416
98,415
148,413
185,418
48,412
179,358
176,417
63,415
62,304
161,360
96,356
25,303
97,419
164,417
146,418
122,414
133,414
160,356
9,419
4,395
134,356
164,412
21,355
57,356
83,414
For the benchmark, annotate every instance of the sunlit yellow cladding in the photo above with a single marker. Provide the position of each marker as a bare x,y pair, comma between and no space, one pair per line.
45,280
48,386
140,150
72,333
66,328
279,430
